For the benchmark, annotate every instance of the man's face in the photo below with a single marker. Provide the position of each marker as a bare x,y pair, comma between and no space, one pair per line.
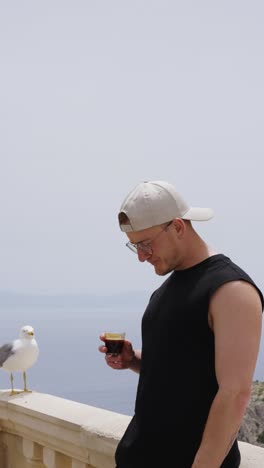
158,246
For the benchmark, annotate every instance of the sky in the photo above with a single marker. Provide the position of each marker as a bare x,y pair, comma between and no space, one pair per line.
97,96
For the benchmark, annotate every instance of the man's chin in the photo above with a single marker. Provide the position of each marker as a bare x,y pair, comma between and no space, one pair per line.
160,271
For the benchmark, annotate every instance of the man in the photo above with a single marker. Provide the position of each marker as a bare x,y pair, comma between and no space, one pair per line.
200,340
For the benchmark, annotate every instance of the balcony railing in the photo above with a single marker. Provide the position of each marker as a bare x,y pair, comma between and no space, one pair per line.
44,431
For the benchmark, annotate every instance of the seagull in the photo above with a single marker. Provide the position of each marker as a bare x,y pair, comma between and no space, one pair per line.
19,355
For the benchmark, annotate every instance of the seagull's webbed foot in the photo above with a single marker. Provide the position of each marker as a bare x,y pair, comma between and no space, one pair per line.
15,392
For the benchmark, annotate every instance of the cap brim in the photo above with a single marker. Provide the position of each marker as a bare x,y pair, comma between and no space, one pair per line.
198,214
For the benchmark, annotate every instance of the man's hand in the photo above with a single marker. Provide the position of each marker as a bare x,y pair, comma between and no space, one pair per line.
122,360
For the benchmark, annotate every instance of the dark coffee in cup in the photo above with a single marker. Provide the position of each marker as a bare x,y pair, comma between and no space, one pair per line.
114,343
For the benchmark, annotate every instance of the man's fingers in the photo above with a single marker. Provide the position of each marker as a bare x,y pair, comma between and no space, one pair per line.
102,349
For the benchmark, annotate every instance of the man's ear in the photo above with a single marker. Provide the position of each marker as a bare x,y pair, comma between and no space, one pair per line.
179,226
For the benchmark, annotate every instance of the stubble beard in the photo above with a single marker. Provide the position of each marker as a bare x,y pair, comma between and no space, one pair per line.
166,270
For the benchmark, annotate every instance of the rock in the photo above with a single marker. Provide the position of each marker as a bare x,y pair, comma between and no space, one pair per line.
252,429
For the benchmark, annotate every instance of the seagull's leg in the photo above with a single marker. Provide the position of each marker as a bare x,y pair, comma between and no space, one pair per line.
13,392
25,383
12,382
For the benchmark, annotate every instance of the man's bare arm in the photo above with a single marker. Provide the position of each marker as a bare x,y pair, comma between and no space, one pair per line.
236,315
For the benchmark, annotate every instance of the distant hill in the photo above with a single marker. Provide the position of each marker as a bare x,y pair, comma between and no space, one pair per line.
252,429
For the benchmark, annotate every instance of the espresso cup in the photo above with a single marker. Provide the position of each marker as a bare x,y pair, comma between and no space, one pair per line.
114,342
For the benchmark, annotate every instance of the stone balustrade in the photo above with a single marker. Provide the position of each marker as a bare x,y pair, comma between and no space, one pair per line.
44,431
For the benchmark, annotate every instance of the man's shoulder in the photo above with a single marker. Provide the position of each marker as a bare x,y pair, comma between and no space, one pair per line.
226,275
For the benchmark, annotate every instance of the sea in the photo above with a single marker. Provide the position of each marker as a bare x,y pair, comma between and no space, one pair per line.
69,364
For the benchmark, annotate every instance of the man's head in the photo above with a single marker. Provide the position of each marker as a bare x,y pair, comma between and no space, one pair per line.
156,220
156,202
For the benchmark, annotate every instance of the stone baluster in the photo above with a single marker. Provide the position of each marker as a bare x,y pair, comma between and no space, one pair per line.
49,458
32,453
3,455
79,464
53,459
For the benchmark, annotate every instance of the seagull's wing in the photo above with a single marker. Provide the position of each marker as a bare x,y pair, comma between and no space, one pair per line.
5,352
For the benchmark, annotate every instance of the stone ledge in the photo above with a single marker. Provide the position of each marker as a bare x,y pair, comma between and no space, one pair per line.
77,430
252,456
66,426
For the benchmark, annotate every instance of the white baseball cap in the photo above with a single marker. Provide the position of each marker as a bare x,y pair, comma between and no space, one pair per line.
156,202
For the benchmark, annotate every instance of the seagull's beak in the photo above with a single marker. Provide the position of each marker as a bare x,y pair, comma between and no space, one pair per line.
31,333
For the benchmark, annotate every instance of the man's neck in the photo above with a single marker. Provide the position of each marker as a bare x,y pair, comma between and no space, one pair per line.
196,252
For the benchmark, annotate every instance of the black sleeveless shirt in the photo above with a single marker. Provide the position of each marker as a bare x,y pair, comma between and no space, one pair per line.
177,382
